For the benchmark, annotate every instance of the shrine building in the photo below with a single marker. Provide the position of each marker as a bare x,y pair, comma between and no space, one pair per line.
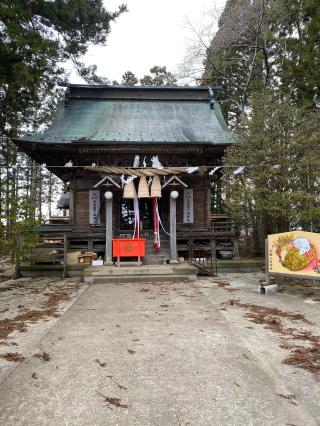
139,164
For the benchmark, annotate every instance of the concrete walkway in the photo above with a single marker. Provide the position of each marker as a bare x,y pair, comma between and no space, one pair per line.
163,352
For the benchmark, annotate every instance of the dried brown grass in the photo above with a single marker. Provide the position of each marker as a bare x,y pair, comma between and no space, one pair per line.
49,309
13,357
305,356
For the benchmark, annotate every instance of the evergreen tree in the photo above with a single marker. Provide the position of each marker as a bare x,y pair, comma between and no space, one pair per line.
129,79
37,38
261,44
297,49
278,190
159,76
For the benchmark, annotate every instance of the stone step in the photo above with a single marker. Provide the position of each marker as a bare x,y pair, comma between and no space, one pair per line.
154,260
157,258
128,270
157,253
152,251
139,279
162,248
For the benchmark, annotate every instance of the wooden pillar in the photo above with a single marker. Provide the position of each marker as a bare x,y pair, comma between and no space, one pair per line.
65,255
173,226
108,258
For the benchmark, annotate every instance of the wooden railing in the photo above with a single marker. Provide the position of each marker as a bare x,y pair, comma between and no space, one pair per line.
202,258
224,227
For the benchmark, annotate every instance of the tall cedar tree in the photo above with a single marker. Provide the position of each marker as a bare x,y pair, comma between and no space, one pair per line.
261,44
266,56
37,38
278,189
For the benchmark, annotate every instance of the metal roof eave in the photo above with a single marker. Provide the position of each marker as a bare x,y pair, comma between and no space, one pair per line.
136,88
88,142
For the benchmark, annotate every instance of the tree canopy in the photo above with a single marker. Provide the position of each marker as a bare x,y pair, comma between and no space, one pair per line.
159,76
265,55
278,189
265,44
129,79
38,37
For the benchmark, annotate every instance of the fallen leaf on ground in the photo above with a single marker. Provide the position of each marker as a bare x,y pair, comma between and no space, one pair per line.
3,343
13,356
290,398
306,357
121,386
45,356
50,308
113,401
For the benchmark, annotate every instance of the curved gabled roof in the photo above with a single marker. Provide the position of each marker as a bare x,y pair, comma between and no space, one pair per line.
122,114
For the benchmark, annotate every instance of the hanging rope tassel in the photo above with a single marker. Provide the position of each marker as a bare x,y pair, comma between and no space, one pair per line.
159,219
156,242
136,232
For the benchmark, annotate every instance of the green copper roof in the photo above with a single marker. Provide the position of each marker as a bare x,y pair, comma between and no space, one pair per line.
132,117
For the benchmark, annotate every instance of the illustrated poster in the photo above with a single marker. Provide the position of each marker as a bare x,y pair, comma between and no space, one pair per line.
296,253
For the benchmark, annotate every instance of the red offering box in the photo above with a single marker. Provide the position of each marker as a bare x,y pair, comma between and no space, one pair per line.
128,247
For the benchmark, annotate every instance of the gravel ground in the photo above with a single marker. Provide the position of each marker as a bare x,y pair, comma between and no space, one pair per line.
29,308
213,352
270,329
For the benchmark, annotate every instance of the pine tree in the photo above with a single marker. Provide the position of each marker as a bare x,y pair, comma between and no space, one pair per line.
129,79
159,76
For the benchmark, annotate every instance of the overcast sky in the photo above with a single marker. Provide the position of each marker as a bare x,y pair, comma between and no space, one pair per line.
152,32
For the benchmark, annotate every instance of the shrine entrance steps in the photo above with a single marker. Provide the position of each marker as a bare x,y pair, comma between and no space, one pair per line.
143,273
154,257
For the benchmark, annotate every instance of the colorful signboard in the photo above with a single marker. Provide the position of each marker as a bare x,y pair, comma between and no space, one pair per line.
294,253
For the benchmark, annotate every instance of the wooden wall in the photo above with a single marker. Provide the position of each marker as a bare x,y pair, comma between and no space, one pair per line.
79,203
201,203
